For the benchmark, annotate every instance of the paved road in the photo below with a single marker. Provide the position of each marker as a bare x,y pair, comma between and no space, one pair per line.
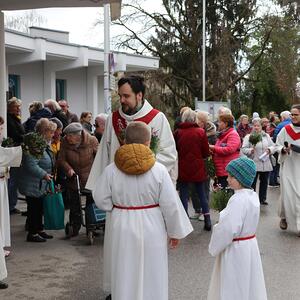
71,269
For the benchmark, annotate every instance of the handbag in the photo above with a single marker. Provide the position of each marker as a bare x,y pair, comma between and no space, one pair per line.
54,210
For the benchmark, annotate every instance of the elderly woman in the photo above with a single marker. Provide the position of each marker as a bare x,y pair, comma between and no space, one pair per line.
55,142
192,147
208,126
77,152
260,153
243,127
15,131
33,182
226,149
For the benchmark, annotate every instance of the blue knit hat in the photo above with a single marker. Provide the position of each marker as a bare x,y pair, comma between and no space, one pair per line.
243,170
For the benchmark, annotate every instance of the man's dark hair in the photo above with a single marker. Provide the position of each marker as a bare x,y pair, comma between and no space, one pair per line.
297,106
135,82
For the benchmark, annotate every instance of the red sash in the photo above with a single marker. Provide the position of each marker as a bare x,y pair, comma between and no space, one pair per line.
294,135
120,124
136,207
244,238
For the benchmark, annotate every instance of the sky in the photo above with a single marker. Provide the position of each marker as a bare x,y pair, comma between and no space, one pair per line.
80,22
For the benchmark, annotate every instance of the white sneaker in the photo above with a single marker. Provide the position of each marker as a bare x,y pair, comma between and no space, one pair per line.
195,216
201,217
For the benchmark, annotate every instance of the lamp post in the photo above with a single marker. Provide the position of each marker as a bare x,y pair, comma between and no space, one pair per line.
2,73
107,94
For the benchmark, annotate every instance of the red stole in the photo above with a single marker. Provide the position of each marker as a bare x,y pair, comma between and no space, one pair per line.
294,135
120,124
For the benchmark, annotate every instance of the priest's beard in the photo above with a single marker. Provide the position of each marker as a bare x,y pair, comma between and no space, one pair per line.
296,124
131,111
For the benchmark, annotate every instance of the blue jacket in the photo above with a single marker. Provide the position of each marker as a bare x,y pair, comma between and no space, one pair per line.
32,171
31,121
279,127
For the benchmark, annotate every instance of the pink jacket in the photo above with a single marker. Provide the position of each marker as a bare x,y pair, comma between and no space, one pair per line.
226,149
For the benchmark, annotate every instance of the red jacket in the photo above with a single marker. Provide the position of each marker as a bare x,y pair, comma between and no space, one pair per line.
192,147
226,149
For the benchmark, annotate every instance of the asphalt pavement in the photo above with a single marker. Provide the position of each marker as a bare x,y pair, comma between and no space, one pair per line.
72,269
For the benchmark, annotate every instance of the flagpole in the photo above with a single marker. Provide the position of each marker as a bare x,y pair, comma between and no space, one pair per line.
107,94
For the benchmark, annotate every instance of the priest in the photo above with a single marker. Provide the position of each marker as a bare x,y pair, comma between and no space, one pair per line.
288,142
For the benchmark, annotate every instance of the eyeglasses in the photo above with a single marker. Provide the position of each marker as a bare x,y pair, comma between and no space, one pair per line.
295,115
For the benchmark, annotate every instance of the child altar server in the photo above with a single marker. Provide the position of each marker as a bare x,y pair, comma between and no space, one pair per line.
146,211
238,273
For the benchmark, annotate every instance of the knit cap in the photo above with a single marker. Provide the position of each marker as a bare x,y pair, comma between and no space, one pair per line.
243,170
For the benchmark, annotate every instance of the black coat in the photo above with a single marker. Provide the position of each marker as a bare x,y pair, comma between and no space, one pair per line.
60,115
15,129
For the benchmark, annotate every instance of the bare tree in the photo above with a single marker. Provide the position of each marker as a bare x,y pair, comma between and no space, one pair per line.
24,21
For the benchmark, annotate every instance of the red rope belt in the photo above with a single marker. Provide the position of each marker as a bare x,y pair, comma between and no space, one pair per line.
244,238
136,207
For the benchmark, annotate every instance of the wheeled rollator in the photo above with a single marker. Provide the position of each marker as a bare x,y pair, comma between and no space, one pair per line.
85,213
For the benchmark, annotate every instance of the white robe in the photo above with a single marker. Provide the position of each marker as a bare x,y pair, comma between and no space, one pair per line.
238,273
289,181
139,260
8,157
167,155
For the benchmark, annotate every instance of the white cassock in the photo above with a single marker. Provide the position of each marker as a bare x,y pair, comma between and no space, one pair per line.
238,273
9,157
289,180
139,256
167,155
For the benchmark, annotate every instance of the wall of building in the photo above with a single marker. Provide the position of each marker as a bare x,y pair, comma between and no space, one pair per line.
82,93
31,84
76,89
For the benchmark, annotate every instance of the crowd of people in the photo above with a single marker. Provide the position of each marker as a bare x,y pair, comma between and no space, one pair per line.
70,149
133,162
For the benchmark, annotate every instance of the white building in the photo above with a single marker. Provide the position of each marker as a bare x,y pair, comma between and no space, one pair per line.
43,65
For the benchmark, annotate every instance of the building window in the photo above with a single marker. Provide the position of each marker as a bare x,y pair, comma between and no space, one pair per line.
13,86
61,89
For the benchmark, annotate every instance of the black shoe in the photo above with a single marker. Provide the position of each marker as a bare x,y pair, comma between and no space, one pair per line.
264,203
283,224
75,233
108,297
15,211
3,285
207,223
35,238
45,235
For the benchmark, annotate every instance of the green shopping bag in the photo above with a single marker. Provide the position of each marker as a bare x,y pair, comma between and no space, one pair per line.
54,210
